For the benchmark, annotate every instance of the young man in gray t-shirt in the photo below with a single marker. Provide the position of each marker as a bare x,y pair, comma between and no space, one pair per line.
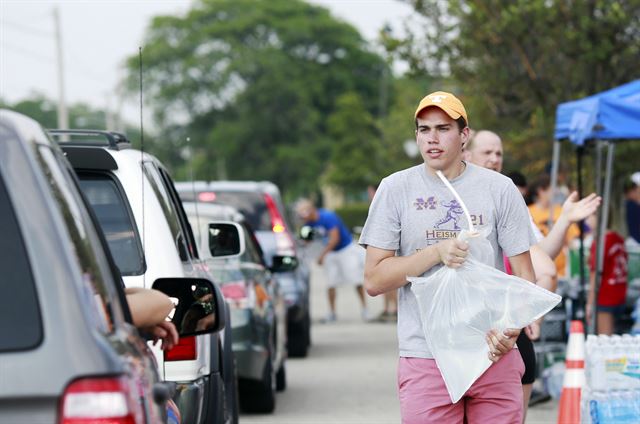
411,230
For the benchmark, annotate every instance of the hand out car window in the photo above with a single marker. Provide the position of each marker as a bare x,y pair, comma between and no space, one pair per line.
20,318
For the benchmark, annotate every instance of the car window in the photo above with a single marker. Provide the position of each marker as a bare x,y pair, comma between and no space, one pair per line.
20,320
251,204
252,253
97,282
116,219
182,216
168,208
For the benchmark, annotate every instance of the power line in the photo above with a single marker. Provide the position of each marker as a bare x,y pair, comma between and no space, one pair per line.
28,53
29,30
80,71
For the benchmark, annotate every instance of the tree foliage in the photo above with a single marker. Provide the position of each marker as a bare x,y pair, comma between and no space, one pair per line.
252,83
515,61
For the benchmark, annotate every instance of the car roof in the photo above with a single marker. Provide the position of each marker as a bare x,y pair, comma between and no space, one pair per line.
29,131
229,185
213,210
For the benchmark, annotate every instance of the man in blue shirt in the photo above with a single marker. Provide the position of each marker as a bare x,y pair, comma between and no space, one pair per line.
342,259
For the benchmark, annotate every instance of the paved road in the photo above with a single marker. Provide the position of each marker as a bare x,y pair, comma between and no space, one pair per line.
350,373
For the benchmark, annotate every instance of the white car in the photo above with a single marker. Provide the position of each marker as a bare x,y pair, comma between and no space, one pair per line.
150,237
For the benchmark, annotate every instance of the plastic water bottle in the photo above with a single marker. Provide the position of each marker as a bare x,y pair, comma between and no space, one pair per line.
635,329
617,406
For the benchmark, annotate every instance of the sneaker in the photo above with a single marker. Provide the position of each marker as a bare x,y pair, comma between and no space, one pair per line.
366,317
392,317
330,317
538,396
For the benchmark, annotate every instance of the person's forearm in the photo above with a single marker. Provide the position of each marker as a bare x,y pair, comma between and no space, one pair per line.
332,242
522,267
544,269
391,273
554,241
148,307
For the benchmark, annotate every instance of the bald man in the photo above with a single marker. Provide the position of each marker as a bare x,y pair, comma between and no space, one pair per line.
485,149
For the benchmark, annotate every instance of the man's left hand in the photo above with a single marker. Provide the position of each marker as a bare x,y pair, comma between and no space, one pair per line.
533,330
501,343
165,333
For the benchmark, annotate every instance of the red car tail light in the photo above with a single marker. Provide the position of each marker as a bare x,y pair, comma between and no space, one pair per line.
110,400
238,294
207,196
277,223
284,242
185,350
234,290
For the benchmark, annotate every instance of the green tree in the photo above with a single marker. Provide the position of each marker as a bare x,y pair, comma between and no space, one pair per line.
251,82
515,61
356,145
38,108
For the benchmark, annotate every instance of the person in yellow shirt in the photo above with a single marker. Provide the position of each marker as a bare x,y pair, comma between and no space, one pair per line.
540,208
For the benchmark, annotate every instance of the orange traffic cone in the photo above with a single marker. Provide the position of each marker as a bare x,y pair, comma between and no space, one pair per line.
574,380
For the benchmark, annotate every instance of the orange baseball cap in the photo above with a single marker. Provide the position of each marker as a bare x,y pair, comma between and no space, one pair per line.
449,103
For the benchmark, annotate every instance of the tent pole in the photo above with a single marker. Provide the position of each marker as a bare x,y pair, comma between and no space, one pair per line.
555,164
598,167
603,218
581,298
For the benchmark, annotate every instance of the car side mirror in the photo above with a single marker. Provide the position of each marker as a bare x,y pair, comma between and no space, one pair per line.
199,307
226,239
284,263
307,233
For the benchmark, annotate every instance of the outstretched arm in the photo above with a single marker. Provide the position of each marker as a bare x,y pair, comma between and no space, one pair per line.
148,307
572,211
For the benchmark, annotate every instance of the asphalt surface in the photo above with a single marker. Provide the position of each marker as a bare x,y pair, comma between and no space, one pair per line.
349,376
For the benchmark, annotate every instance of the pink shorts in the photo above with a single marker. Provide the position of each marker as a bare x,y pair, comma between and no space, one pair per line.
495,397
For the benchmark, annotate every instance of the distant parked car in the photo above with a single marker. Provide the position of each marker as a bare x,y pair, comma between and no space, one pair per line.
148,232
258,312
262,206
68,350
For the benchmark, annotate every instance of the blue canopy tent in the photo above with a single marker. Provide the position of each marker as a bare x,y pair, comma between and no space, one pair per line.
603,118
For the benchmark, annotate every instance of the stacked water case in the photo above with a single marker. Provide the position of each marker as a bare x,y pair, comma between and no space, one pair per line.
612,391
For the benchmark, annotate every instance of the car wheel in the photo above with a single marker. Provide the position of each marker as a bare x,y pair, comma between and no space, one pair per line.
281,379
259,396
297,346
299,339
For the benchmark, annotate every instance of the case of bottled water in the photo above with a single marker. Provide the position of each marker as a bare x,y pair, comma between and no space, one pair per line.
612,368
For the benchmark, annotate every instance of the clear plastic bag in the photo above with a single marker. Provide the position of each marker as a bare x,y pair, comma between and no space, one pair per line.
459,306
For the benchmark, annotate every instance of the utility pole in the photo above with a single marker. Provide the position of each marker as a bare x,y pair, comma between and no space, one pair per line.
63,117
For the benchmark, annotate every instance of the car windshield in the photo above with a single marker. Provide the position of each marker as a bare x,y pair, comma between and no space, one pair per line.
251,204
116,222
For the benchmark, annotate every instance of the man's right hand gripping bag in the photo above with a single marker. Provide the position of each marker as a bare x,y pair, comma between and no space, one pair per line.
459,306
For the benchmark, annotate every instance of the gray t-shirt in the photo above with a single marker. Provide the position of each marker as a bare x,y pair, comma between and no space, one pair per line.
413,209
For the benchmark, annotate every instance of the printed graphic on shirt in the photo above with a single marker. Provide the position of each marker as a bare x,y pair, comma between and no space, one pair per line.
448,220
421,204
619,272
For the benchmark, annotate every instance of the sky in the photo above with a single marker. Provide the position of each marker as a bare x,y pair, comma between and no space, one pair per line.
98,35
